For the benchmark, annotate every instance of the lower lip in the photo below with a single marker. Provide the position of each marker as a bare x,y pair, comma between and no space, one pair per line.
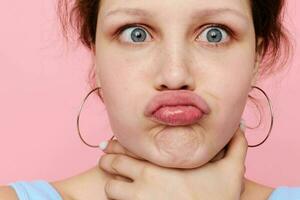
177,115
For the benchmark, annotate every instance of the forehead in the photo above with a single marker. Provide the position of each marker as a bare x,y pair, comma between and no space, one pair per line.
150,8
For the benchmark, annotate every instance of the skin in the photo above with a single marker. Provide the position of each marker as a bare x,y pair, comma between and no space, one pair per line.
139,179
176,55
148,181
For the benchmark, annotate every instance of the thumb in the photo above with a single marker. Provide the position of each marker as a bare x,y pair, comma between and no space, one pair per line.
237,148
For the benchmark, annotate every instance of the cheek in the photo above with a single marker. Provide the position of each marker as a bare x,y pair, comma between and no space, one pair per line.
229,90
118,79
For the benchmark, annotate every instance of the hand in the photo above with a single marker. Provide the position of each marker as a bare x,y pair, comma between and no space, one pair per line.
142,180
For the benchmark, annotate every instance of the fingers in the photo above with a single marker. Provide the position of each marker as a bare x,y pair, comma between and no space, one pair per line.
115,147
121,165
122,178
119,190
237,148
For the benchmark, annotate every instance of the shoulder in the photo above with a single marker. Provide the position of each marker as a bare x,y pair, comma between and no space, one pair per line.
8,193
256,191
93,181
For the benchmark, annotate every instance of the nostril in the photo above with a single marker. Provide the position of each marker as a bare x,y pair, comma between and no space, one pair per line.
184,87
164,87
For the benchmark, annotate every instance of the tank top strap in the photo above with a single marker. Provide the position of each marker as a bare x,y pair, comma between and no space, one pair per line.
35,190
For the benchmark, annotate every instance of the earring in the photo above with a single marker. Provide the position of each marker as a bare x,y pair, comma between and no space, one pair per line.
78,117
255,87
271,121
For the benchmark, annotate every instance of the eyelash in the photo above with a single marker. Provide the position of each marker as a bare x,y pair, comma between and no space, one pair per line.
230,33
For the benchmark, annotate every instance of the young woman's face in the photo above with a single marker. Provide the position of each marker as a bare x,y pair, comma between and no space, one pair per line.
146,47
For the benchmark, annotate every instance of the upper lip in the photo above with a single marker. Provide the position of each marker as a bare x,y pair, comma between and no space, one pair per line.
176,98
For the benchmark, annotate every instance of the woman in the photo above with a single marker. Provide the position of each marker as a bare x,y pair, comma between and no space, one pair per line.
209,58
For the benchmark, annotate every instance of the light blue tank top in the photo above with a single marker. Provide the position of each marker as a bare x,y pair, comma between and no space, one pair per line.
35,190
285,193
42,190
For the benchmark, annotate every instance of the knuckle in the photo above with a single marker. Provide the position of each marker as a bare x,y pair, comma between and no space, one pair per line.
101,160
110,187
117,161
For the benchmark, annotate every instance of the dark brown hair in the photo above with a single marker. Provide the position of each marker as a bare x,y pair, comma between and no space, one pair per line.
80,16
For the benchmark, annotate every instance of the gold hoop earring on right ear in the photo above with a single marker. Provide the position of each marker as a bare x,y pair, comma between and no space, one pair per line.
78,117
271,121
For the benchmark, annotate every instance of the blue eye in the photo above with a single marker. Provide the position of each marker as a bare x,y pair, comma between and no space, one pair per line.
214,35
134,34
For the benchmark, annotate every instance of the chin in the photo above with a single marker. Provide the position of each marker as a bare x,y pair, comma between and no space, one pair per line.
186,165
194,160
181,164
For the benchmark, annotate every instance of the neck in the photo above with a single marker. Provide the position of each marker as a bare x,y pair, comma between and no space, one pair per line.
255,191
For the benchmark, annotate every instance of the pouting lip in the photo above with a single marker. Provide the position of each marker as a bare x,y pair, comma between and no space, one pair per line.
176,98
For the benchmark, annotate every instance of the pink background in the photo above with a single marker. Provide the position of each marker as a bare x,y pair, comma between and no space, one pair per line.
42,84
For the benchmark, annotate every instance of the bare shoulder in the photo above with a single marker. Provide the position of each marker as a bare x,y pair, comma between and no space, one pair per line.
256,191
8,193
86,185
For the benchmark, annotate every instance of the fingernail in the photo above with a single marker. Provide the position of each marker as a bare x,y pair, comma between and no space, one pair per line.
103,145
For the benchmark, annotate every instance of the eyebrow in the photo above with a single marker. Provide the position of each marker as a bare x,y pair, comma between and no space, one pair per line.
129,11
197,14
219,11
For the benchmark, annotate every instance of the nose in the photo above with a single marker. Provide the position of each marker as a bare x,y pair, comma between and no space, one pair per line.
174,69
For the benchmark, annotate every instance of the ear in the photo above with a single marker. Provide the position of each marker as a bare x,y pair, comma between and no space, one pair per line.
97,78
93,58
258,56
93,51
98,83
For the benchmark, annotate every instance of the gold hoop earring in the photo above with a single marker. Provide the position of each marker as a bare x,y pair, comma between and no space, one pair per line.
272,117
78,117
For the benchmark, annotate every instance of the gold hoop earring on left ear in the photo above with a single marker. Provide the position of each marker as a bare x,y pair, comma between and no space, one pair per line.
271,120
78,117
